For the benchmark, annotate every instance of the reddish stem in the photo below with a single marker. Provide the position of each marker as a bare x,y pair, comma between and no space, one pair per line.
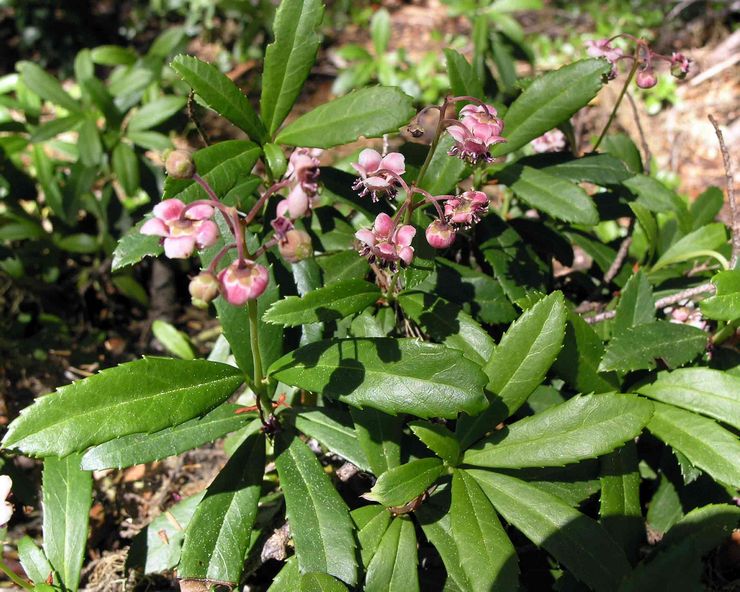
262,200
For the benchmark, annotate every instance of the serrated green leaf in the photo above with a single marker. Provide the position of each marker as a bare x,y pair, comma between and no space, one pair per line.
638,347
33,560
136,449
220,94
402,484
574,539
133,247
463,80
702,390
174,341
391,375
331,303
333,428
67,497
549,101
486,554
319,518
649,226
679,568
155,112
46,86
636,304
369,112
706,527
371,522
288,59
393,567
704,442
665,508
218,535
147,395
379,435
725,304
585,426
320,582
438,439
288,578
707,238
705,208
656,197
600,169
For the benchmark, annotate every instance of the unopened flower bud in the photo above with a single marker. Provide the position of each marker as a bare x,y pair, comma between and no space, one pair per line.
180,165
679,65
242,281
646,78
440,235
203,288
296,246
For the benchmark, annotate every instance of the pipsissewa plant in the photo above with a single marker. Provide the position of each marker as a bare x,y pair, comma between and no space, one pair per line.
451,367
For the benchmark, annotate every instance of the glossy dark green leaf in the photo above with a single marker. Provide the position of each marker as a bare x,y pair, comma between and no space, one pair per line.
665,508
486,554
725,304
67,497
393,567
379,436
220,94
288,578
694,245
679,568
276,160
369,112
371,522
463,80
126,168
656,197
705,443
438,439
444,171
391,375
585,426
402,484
636,304
288,59
331,303
133,247
320,582
90,146
600,169
174,341
46,86
33,560
333,428
218,535
574,539
706,527
705,208
142,396
319,518
136,449
549,101
155,112
638,347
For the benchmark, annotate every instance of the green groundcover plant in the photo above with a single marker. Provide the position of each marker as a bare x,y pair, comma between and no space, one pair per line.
414,371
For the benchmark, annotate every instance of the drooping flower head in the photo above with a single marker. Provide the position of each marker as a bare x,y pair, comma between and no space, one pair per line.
242,281
680,65
552,141
203,288
374,177
479,128
181,229
440,235
602,48
466,209
386,244
295,246
646,77
303,166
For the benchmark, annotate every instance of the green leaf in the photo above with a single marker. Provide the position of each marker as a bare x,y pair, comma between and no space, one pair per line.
289,58
319,518
393,567
519,364
600,169
174,341
33,560
289,577
549,101
725,304
402,484
444,171
51,129
379,435
369,112
649,226
636,304
150,140
218,535
702,390
463,80
142,396
680,568
551,194
89,144
486,554
574,539
220,94
446,323
67,497
331,303
665,508
438,439
133,247
155,112
384,373
705,443
140,448
113,55
706,527
333,428
707,238
320,582
276,160
656,197
126,168
380,31
637,347
77,243
371,522
46,86
705,208
585,426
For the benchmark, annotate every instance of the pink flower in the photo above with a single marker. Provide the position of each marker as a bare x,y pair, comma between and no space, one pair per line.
552,141
602,48
440,235
646,78
479,129
281,225
680,65
387,244
6,508
467,208
182,230
295,246
374,176
242,281
303,166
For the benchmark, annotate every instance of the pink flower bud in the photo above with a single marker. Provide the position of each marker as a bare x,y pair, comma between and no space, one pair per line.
440,235
242,281
296,246
680,65
179,164
646,78
298,203
203,288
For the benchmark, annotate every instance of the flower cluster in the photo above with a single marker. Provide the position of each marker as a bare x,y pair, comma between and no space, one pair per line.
379,175
387,244
477,128
303,172
552,141
182,228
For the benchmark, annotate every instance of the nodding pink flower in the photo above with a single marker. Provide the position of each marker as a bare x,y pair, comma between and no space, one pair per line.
297,205
182,230
440,235
242,281
6,508
203,288
303,166
602,48
552,141
646,77
680,65
373,176
466,209
281,225
387,244
479,129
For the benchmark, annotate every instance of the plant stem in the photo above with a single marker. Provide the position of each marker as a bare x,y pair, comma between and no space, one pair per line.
433,147
206,187
263,399
13,577
616,105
